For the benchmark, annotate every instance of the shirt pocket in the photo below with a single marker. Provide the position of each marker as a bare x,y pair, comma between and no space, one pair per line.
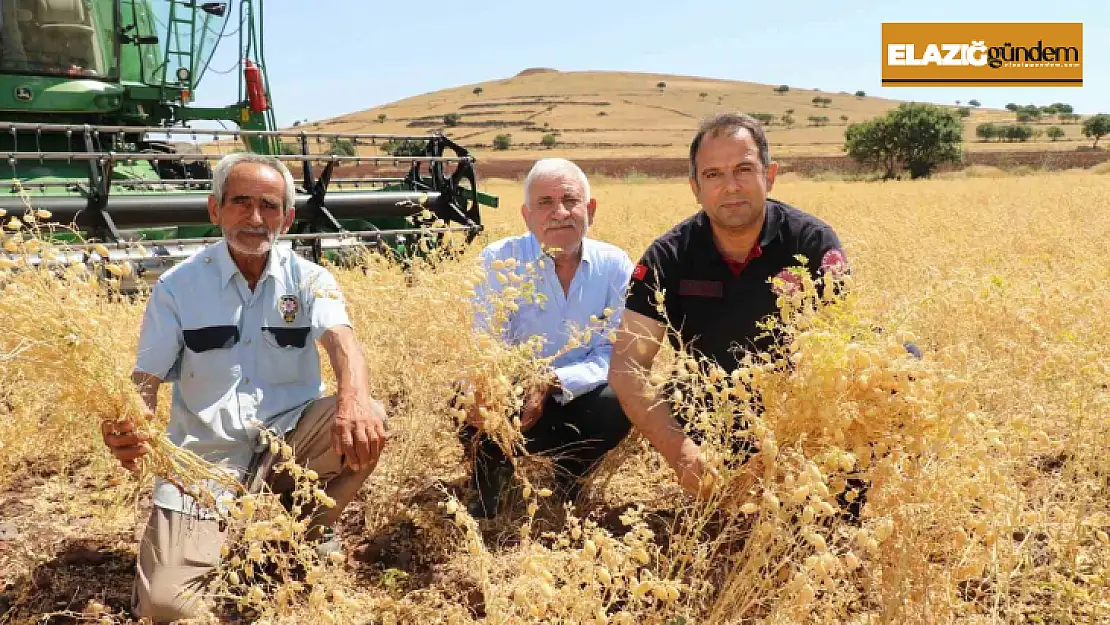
284,354
209,367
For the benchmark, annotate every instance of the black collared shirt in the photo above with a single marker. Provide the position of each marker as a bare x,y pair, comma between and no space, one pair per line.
716,311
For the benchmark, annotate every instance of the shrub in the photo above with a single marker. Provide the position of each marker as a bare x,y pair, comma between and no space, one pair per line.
916,137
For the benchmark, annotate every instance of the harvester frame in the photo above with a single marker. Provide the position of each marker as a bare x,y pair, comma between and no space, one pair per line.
98,143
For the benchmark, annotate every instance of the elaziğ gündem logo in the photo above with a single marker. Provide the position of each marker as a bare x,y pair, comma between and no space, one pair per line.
994,54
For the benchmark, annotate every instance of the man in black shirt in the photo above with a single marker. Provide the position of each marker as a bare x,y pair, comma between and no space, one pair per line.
716,271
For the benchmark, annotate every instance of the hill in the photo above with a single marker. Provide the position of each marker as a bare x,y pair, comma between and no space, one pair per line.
600,114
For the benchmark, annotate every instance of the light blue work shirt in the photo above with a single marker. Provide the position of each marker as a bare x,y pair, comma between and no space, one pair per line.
235,356
600,282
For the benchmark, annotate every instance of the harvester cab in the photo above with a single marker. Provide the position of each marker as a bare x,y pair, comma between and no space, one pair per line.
98,128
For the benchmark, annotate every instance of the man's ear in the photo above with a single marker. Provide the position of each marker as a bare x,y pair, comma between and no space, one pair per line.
287,221
772,171
213,210
591,208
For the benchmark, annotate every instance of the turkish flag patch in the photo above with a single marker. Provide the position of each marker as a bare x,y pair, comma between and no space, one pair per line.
640,272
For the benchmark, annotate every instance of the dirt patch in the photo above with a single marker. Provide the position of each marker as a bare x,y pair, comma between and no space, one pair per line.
81,572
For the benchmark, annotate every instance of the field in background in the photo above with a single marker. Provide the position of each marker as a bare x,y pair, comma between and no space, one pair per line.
1003,286
624,115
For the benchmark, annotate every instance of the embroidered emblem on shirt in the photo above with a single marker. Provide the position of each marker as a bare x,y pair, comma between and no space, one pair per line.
640,272
288,305
834,262
790,284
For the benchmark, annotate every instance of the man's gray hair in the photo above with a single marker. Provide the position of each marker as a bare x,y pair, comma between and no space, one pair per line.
223,169
552,167
729,124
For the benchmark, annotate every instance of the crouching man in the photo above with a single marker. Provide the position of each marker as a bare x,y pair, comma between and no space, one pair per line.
572,415
234,329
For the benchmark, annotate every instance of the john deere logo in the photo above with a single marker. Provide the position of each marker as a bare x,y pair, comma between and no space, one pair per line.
24,94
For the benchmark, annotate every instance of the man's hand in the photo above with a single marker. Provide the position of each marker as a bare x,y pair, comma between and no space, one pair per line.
358,434
126,444
695,475
741,485
533,405
473,410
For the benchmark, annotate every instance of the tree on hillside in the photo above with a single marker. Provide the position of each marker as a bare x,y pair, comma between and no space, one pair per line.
986,131
478,91
381,118
782,89
844,118
1013,108
451,119
861,94
1055,133
502,142
404,147
788,120
964,111
789,111
703,95
1016,132
821,101
342,147
1063,108
1096,127
915,137
661,84
974,103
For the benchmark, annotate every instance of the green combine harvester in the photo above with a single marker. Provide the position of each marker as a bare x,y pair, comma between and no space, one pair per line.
95,114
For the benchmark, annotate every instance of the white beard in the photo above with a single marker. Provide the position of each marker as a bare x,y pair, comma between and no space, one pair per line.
271,238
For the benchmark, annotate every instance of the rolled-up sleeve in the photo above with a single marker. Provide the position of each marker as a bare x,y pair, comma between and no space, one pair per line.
160,338
329,308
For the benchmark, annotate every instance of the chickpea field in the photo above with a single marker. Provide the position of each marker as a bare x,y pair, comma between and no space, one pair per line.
987,459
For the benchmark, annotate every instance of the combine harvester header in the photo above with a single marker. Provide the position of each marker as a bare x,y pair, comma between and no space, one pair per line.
95,102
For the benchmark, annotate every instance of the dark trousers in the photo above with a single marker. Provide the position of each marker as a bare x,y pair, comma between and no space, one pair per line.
576,435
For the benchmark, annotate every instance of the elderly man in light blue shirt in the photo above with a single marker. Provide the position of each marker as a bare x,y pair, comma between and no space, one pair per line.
572,414
234,328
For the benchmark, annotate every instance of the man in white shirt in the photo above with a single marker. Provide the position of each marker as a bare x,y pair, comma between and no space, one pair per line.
572,415
234,328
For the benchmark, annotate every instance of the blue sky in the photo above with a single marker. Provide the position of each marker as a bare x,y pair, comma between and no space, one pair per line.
329,57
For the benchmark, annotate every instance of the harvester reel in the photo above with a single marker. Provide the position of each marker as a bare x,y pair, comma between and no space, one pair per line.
124,188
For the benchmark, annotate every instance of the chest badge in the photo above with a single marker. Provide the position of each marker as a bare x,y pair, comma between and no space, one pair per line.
288,305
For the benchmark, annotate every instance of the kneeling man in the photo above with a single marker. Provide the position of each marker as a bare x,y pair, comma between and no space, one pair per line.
234,328
571,415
